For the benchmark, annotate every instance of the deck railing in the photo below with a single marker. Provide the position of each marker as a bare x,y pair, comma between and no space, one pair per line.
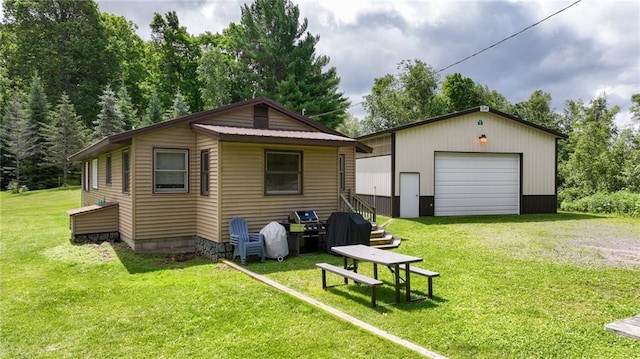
353,203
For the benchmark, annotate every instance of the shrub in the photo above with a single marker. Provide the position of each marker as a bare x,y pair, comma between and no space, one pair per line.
622,202
15,187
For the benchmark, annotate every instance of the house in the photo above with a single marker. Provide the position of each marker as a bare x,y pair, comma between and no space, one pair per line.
172,186
474,162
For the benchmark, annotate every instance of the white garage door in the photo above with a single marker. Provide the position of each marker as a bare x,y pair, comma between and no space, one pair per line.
476,183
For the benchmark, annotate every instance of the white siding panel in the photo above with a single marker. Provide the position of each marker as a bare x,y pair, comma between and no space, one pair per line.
473,184
374,176
415,148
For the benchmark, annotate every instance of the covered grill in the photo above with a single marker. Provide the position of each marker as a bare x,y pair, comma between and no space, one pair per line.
305,232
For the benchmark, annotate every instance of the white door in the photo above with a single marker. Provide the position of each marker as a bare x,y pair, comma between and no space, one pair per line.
476,184
409,195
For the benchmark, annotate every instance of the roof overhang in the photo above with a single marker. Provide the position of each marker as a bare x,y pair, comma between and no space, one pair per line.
242,134
107,144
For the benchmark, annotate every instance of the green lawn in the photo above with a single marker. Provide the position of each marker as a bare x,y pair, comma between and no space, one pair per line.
513,286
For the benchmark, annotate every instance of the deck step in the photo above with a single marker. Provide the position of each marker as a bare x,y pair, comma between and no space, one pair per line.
394,243
388,238
378,233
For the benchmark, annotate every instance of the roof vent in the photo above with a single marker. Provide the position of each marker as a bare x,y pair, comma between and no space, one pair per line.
484,108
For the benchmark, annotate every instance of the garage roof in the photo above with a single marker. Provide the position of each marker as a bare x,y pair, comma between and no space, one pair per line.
466,112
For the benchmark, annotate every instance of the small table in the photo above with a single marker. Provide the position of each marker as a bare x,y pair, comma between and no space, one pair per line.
360,252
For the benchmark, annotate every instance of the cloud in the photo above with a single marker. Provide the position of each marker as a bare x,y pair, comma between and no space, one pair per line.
576,54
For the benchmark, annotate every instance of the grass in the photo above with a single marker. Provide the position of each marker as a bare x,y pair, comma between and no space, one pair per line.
511,286
59,300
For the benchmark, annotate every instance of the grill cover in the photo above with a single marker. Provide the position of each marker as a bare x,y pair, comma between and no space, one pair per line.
345,228
275,241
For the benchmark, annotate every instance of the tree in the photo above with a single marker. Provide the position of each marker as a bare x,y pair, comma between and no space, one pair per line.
635,107
19,137
126,108
65,136
64,41
35,168
461,92
272,42
589,168
351,126
110,121
177,56
537,109
403,98
154,110
132,60
180,108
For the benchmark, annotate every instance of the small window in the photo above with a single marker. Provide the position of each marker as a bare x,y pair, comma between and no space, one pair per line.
107,171
170,171
125,171
94,173
283,173
341,166
85,177
204,173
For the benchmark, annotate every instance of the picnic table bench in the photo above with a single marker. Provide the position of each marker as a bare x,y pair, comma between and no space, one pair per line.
423,272
347,274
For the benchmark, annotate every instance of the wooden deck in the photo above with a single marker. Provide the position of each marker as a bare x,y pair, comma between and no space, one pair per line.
629,327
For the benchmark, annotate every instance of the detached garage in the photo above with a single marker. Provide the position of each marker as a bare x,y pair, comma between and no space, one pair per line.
476,162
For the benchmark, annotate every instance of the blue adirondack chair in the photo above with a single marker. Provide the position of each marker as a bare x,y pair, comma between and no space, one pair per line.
245,243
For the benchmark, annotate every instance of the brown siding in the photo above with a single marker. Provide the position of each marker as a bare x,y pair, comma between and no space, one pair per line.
98,221
207,223
349,168
279,121
242,184
164,215
112,193
239,118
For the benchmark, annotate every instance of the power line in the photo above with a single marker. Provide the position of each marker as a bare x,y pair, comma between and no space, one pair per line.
476,53
509,37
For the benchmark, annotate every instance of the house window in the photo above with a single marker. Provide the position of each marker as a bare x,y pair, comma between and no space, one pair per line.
85,177
107,171
125,171
94,173
170,171
204,173
283,172
341,165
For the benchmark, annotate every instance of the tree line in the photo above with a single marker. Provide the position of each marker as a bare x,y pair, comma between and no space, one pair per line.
71,75
64,60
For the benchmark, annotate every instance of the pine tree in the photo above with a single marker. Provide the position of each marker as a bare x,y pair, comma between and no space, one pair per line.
154,110
35,168
125,107
180,107
110,121
65,136
19,137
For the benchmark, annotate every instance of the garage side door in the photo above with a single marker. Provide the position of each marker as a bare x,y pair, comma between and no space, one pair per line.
476,184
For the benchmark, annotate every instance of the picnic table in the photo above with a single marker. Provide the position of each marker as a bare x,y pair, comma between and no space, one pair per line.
392,260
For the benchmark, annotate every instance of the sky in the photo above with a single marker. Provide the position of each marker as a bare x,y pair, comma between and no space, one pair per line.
589,50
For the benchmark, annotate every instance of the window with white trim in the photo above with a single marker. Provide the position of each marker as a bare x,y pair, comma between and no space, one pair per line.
283,172
94,173
170,172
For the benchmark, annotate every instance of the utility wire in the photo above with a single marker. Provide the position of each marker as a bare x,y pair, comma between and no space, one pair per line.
474,54
509,37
